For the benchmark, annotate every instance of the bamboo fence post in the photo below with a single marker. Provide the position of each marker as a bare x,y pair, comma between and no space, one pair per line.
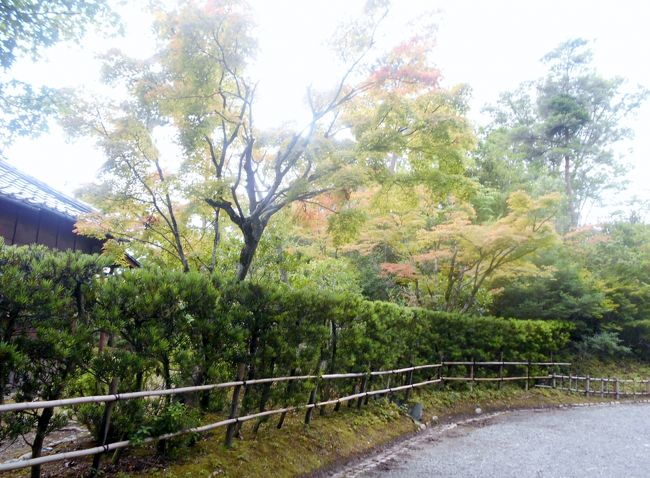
588,386
575,381
553,382
354,390
633,387
528,374
647,385
617,388
288,390
409,381
388,386
471,373
312,401
362,389
441,370
337,407
283,415
234,405
105,426
602,387
366,399
501,372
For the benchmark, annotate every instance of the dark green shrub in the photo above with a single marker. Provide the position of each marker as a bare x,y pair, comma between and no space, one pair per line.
636,334
46,333
604,346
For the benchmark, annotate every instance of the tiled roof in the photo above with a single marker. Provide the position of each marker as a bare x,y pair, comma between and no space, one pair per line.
20,187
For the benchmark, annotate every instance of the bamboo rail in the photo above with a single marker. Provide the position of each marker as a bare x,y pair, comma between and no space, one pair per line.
362,397
607,386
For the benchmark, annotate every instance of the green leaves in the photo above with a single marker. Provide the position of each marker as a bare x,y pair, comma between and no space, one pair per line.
29,26
345,226
46,334
562,127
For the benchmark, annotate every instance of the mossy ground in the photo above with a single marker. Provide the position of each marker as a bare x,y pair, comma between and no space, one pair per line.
337,436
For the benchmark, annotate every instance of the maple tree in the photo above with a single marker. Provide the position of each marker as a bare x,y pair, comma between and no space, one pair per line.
197,86
412,138
450,259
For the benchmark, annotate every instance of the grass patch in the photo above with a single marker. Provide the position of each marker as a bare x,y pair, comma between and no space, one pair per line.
624,369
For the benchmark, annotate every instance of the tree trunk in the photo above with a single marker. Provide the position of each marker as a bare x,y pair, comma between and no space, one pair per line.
266,394
4,370
245,259
4,378
332,366
139,380
215,241
167,376
252,371
39,438
568,190
103,341
252,231
204,401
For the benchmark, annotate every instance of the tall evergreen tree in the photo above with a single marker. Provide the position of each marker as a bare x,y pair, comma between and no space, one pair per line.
559,131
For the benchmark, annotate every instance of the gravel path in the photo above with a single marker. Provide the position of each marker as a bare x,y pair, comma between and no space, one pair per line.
590,442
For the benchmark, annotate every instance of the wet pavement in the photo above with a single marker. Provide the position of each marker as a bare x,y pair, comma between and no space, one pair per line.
595,441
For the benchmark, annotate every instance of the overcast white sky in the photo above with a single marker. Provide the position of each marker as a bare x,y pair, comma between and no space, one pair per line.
490,45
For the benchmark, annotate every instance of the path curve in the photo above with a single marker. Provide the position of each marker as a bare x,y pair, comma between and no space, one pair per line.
597,441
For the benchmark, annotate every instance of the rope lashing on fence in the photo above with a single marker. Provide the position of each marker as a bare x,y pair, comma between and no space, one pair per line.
12,407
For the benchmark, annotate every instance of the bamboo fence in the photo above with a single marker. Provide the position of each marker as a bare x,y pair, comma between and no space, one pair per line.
599,386
234,419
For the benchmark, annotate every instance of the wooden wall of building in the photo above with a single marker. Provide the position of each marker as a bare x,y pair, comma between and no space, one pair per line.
21,224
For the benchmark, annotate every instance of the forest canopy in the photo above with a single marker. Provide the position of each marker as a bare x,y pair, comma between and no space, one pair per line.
388,191
388,229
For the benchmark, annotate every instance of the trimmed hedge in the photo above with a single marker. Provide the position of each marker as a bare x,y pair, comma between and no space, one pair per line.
169,329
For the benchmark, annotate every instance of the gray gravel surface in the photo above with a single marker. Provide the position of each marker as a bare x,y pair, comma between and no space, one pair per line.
596,441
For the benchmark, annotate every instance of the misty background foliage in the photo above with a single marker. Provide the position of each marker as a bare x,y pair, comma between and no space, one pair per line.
387,231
